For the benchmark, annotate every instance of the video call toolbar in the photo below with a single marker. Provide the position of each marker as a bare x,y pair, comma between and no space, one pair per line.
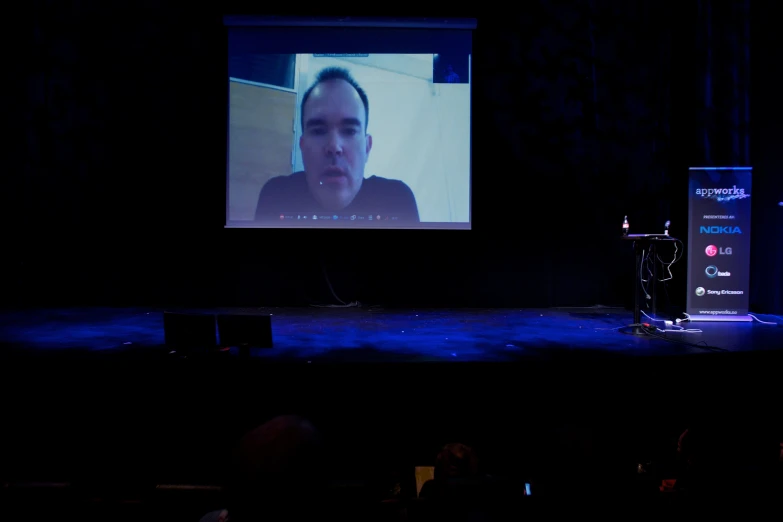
337,217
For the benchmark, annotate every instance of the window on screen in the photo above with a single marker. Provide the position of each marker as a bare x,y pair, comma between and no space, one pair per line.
348,140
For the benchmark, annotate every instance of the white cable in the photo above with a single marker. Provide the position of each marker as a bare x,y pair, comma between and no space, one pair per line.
680,329
343,304
676,242
642,280
687,318
674,327
759,320
669,266
641,271
651,318
352,304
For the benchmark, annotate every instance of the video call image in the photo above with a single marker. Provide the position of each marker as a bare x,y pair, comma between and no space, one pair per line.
349,140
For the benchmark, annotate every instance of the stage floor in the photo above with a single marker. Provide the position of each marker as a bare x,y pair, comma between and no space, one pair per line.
390,335
84,383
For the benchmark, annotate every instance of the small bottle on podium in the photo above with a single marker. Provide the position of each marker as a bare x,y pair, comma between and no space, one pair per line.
625,226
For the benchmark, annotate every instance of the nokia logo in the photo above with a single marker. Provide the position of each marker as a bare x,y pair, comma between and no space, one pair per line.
720,230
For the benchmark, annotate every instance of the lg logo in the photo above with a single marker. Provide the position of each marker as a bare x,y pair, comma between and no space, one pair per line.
713,251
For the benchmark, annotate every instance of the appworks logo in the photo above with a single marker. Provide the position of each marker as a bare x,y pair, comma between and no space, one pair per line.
722,194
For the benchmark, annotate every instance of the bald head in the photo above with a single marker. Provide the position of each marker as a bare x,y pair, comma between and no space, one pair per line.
333,74
279,462
283,446
456,461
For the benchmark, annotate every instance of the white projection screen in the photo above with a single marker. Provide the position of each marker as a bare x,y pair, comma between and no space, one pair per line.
349,123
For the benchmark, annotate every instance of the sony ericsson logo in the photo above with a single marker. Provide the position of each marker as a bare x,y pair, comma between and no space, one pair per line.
712,272
700,291
720,230
722,194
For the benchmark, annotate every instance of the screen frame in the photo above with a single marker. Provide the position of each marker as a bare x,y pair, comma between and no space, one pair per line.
247,21
349,21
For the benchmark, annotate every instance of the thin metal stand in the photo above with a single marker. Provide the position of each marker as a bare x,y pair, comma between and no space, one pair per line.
636,328
640,245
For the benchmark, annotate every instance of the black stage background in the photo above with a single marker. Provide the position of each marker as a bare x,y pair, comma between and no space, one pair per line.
114,179
113,195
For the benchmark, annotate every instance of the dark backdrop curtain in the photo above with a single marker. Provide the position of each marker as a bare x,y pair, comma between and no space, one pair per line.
766,278
721,41
583,111
579,98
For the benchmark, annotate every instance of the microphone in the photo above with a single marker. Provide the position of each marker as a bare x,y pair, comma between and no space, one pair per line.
666,227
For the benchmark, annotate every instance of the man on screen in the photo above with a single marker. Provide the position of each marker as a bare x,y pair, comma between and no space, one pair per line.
335,147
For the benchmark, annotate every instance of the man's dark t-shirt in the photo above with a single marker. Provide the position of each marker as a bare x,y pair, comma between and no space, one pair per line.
286,195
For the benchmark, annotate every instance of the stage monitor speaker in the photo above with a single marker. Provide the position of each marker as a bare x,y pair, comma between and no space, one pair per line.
190,333
245,331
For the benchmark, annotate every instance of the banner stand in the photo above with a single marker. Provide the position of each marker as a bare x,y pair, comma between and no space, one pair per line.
719,244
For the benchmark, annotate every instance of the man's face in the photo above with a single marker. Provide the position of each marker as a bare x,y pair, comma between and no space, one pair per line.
334,144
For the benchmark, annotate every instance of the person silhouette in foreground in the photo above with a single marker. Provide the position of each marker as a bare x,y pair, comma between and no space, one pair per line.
728,460
455,462
459,490
278,472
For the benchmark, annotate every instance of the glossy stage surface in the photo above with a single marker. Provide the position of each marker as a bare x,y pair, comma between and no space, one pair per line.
384,335
94,394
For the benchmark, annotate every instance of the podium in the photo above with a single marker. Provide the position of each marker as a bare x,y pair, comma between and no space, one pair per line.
644,243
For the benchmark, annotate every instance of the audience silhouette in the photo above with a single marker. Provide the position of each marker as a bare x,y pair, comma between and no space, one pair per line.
278,472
